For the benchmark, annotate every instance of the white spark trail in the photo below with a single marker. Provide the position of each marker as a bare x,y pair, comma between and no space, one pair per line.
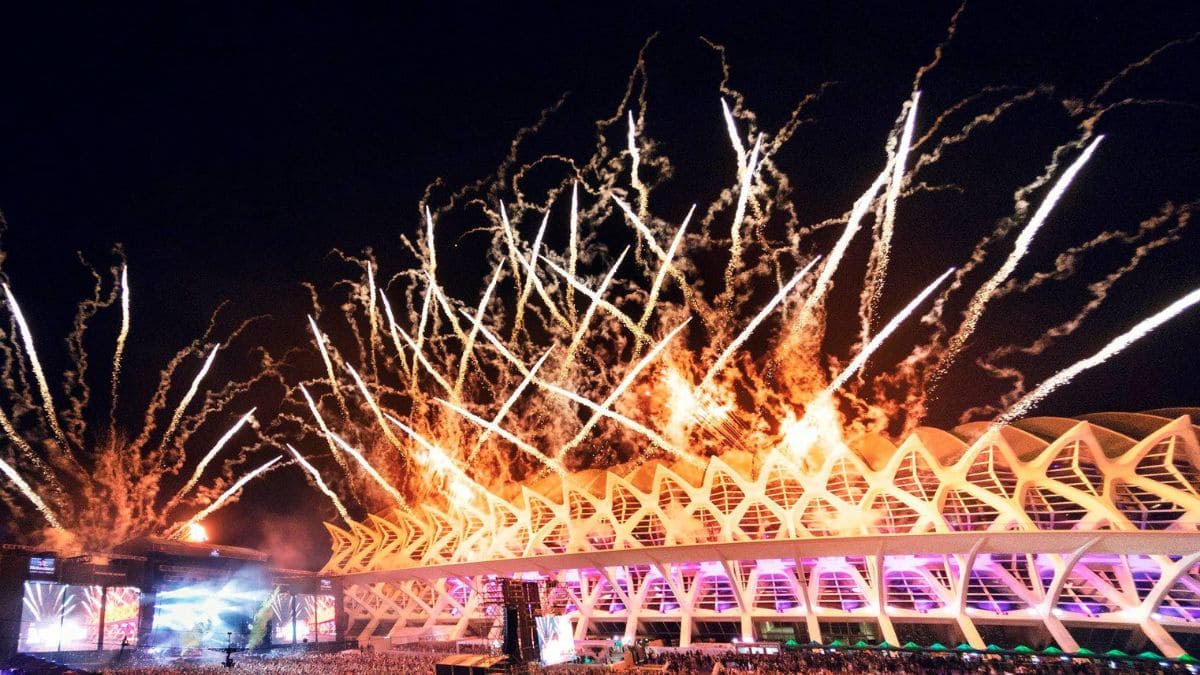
220,501
853,225
508,436
420,342
209,457
391,318
663,269
865,353
508,404
333,449
617,417
372,314
1116,346
739,214
437,455
573,243
607,306
469,347
888,227
321,485
620,389
333,383
584,323
122,336
425,362
30,494
43,386
362,387
737,342
27,451
534,282
188,396
979,302
353,452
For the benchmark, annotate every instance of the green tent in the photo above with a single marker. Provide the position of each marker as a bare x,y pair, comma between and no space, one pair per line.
1187,658
1023,649
1150,655
1084,651
837,643
791,644
938,647
1053,651
911,645
885,645
994,648
861,644
1116,654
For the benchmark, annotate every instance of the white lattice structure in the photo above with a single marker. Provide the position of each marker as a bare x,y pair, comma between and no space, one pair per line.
1081,532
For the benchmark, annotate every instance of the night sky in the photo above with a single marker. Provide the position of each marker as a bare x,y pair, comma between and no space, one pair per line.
229,149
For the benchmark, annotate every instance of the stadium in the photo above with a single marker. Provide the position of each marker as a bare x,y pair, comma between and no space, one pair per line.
1079,533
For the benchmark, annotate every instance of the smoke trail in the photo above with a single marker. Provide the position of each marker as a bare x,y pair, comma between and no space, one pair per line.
30,494
1116,346
880,256
1020,247
43,387
316,476
187,397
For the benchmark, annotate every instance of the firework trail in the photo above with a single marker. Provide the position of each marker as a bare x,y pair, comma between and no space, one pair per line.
988,290
30,494
187,397
36,364
523,380
321,485
98,489
1116,346
225,496
122,337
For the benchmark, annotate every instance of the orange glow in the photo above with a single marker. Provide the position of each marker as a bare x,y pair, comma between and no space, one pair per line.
196,533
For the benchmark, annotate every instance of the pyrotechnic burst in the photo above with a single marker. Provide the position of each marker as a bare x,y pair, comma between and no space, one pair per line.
615,334
92,482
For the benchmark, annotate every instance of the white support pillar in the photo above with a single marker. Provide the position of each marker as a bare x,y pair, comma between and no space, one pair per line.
875,564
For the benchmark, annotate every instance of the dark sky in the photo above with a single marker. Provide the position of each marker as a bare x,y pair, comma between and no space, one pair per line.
229,148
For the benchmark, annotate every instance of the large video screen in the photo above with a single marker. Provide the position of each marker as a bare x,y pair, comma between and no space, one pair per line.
310,618
207,614
557,639
59,617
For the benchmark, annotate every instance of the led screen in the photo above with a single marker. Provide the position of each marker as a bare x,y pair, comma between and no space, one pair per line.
58,617
41,566
121,616
207,614
311,618
557,639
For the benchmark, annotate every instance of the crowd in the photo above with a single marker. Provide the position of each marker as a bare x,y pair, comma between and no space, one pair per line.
817,662
342,663
827,662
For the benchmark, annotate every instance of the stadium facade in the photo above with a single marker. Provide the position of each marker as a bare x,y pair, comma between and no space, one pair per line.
1074,532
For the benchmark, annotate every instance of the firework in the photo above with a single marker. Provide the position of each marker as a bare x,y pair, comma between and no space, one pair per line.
100,488
578,355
